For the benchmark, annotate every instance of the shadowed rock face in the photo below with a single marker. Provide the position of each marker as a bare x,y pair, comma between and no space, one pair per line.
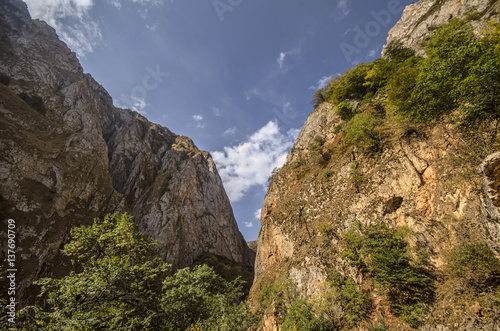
79,157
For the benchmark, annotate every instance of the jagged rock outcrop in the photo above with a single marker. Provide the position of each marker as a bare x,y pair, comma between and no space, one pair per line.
422,17
69,155
417,182
430,180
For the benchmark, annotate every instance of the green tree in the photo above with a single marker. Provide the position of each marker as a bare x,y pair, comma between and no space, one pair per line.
384,255
119,283
123,284
350,85
196,294
300,316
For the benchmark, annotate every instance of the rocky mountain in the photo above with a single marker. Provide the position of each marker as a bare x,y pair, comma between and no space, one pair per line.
68,155
430,182
421,18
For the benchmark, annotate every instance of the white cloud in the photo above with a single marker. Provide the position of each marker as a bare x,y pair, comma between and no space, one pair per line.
250,163
216,111
281,59
197,117
229,132
73,22
341,10
256,215
82,34
372,53
283,55
132,102
322,82
248,224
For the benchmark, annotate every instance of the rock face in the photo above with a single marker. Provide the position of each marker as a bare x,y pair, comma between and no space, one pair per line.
431,183
68,155
416,182
421,18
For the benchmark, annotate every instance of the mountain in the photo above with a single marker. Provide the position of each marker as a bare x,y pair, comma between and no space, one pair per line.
68,155
379,220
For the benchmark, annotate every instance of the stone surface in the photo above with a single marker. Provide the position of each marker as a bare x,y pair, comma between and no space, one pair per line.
420,18
83,158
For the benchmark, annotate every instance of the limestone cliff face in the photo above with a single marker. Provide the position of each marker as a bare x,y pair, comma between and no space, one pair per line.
422,17
69,155
423,182
431,181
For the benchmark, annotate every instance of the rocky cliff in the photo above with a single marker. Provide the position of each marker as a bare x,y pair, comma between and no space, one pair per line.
421,18
438,184
68,155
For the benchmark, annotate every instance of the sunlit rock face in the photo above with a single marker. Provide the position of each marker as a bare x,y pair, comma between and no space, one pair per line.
68,155
421,18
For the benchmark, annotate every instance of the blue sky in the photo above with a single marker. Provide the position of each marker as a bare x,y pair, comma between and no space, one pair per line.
236,76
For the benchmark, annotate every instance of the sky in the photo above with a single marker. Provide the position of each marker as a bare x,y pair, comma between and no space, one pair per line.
236,76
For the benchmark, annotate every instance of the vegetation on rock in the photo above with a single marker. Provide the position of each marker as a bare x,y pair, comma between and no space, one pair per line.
122,284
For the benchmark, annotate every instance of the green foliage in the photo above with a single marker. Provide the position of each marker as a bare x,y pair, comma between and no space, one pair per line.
350,85
327,173
401,84
384,255
395,51
300,317
5,80
35,102
380,326
461,71
195,294
229,270
318,98
117,286
274,173
355,302
356,176
345,110
316,152
123,284
361,131
477,265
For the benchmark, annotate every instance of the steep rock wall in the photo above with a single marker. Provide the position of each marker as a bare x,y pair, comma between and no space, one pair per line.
79,157
421,18
427,182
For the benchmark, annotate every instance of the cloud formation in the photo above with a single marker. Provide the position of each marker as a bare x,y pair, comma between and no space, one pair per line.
250,163
248,224
82,34
341,10
281,59
322,82
72,21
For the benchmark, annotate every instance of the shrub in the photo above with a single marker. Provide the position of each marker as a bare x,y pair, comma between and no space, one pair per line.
356,176
345,111
318,98
384,255
361,131
350,85
395,51
300,317
327,173
477,265
354,301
